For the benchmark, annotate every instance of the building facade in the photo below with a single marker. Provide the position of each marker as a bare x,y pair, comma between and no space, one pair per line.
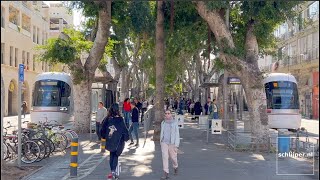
24,25
298,54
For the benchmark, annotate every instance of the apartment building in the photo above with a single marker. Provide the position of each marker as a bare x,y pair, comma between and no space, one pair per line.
24,25
298,54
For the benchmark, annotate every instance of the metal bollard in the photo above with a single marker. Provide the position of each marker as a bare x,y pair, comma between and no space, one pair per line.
74,157
103,145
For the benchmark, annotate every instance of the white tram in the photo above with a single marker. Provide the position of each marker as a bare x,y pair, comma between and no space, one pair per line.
282,101
52,98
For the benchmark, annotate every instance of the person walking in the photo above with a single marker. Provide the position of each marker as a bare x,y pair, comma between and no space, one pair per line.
134,127
169,140
197,109
138,104
102,112
127,112
215,109
191,106
208,107
115,132
181,106
176,104
24,109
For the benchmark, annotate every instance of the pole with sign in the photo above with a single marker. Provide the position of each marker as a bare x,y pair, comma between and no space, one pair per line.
21,79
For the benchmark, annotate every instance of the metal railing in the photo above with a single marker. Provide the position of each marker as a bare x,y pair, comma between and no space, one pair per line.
244,141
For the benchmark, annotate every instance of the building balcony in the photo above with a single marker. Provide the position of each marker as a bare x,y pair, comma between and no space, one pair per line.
25,32
14,26
25,9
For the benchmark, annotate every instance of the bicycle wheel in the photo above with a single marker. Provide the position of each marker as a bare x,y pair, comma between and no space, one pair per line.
48,147
42,149
60,141
48,144
30,152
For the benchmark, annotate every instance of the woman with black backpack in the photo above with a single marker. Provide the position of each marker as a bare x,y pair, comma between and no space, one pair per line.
116,133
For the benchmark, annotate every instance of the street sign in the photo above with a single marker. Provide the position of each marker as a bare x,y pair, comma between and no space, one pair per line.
234,80
216,127
21,72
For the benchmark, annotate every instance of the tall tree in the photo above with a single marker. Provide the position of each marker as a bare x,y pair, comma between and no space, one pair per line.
252,24
68,48
160,62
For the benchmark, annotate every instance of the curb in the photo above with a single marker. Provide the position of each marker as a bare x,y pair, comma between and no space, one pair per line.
29,175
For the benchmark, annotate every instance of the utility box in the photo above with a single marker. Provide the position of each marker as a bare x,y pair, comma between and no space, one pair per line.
216,127
180,119
203,122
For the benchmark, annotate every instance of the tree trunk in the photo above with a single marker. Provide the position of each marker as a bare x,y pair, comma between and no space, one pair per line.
198,76
160,62
113,87
2,114
248,71
124,92
83,75
256,100
220,95
82,108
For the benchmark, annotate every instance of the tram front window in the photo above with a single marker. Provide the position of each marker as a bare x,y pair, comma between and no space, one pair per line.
51,93
282,95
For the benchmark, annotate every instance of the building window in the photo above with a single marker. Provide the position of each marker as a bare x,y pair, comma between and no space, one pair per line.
2,53
11,56
14,16
313,10
28,59
23,57
34,34
2,17
26,23
16,57
42,42
38,31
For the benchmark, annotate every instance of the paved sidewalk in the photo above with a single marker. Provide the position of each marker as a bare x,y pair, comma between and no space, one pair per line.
202,161
199,161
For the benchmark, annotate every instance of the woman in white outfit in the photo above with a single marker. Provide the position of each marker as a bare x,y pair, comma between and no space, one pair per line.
169,139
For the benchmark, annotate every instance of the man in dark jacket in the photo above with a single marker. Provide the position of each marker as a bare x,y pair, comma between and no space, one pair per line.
197,108
135,123
138,104
115,132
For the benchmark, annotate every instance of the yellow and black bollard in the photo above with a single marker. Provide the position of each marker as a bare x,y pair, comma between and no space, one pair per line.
74,158
103,145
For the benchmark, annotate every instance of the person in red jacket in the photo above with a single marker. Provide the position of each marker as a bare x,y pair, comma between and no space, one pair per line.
127,112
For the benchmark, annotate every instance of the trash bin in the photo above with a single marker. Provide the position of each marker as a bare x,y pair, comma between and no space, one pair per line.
283,143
